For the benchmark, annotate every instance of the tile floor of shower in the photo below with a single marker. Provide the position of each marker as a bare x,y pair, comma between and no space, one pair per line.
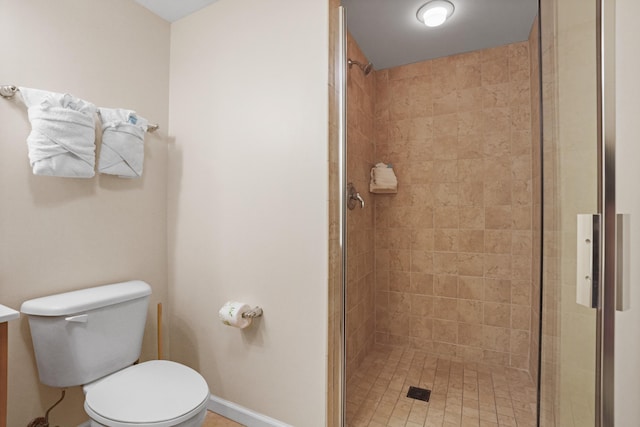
462,393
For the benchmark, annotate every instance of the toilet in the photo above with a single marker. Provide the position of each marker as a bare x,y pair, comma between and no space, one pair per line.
92,338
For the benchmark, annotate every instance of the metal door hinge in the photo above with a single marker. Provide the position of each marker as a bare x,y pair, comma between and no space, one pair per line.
588,260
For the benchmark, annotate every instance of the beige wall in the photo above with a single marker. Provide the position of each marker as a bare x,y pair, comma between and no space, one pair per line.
61,234
248,212
360,326
454,246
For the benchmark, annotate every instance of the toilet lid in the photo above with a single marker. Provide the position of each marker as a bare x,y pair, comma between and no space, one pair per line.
151,392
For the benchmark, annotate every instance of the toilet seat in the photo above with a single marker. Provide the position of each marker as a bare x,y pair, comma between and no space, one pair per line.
158,393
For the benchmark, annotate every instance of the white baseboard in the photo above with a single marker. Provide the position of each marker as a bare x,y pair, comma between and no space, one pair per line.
241,415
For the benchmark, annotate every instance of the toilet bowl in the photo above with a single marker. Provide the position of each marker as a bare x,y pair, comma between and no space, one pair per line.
91,338
157,393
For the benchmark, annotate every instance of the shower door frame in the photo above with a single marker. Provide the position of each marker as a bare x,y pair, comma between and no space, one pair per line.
341,70
605,357
608,251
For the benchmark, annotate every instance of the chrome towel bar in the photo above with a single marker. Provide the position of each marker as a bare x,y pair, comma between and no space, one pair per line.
8,92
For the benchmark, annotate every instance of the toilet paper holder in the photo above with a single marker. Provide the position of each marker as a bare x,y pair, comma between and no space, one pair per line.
253,313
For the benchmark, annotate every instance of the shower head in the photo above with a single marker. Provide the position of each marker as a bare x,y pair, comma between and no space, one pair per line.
366,68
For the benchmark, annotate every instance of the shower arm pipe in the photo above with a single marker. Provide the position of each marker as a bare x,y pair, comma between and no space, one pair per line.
9,91
365,68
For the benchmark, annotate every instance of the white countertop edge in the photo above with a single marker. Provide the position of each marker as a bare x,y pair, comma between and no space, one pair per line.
7,314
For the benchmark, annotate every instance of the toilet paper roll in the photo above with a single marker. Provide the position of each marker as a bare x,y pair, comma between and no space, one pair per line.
231,314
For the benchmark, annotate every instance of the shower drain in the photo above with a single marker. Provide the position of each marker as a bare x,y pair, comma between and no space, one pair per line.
419,393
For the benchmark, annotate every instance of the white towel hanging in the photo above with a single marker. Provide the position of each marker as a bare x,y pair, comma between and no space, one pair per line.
62,138
122,150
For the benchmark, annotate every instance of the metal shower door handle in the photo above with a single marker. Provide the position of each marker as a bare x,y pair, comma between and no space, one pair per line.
623,262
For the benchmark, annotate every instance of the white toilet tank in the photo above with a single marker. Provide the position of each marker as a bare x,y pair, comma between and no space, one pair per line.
83,335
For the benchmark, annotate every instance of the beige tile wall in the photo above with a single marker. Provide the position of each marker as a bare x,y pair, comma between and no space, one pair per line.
454,246
360,222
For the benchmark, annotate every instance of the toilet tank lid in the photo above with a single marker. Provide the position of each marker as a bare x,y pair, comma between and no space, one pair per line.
86,299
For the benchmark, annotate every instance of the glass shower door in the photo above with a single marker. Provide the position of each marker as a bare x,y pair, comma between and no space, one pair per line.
569,187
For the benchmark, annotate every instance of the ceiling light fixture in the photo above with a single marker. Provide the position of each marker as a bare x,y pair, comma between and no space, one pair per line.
435,12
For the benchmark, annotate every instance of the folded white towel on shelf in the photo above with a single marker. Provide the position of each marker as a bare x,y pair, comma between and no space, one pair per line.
122,150
383,179
62,138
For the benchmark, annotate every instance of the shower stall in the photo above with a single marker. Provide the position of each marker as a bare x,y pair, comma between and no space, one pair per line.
456,303
440,280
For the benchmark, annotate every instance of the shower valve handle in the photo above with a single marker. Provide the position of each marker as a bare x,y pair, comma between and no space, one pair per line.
353,196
